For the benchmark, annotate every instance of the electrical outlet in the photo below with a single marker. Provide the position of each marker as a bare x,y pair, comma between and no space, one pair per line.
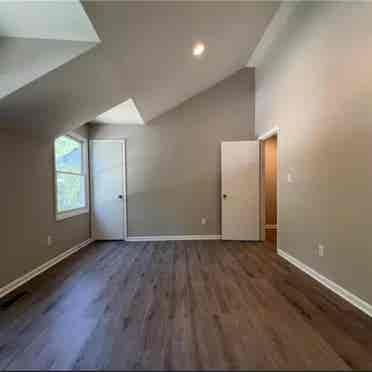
321,250
50,240
204,221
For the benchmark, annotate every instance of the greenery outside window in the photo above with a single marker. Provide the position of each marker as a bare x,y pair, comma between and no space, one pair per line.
71,176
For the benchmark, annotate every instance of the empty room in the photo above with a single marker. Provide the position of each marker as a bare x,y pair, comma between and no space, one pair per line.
185,185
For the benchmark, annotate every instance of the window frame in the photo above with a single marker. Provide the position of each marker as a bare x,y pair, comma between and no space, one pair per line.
85,173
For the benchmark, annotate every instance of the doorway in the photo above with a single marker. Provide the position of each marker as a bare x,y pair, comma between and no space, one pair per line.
269,184
108,189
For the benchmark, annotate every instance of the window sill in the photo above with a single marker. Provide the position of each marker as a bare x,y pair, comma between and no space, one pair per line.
69,214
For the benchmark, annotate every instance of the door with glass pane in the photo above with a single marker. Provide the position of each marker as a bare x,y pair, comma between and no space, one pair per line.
107,159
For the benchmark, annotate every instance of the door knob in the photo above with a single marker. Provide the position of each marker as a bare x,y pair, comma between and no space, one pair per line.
120,196
224,196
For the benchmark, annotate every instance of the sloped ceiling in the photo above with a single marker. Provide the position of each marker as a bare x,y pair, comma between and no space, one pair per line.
145,53
37,37
25,60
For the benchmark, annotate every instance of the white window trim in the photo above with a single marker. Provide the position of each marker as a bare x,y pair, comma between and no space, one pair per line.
74,212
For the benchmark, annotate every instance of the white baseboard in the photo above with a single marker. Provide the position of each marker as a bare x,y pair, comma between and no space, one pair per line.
344,293
45,266
159,238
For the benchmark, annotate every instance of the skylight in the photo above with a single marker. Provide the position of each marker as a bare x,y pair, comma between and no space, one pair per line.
122,114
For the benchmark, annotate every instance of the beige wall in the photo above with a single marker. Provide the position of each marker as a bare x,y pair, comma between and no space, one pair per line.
315,83
27,208
173,163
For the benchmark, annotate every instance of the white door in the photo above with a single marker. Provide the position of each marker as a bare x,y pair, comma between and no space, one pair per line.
240,190
107,159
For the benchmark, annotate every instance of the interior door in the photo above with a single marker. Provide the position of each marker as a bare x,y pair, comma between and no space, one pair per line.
240,190
107,159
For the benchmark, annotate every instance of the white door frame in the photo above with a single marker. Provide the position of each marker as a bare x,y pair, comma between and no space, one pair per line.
124,147
271,133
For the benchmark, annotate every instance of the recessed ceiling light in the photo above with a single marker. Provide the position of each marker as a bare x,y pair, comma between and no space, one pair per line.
198,49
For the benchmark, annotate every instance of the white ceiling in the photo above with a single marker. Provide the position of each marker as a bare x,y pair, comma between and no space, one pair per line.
145,53
37,37
57,20
25,60
124,113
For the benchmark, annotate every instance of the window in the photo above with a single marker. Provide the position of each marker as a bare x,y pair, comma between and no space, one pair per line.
71,176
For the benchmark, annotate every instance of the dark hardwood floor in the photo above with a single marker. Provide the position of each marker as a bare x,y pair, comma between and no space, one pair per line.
180,305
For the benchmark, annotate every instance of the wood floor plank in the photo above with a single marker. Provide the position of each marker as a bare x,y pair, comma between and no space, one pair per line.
181,305
65,332
113,322
41,309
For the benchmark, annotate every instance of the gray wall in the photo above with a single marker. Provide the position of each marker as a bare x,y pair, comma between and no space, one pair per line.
173,163
27,208
315,83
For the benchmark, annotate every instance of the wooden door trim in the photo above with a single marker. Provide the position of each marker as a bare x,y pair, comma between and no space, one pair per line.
270,133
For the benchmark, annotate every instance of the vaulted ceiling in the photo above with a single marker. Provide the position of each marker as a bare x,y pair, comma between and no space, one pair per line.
37,37
145,54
